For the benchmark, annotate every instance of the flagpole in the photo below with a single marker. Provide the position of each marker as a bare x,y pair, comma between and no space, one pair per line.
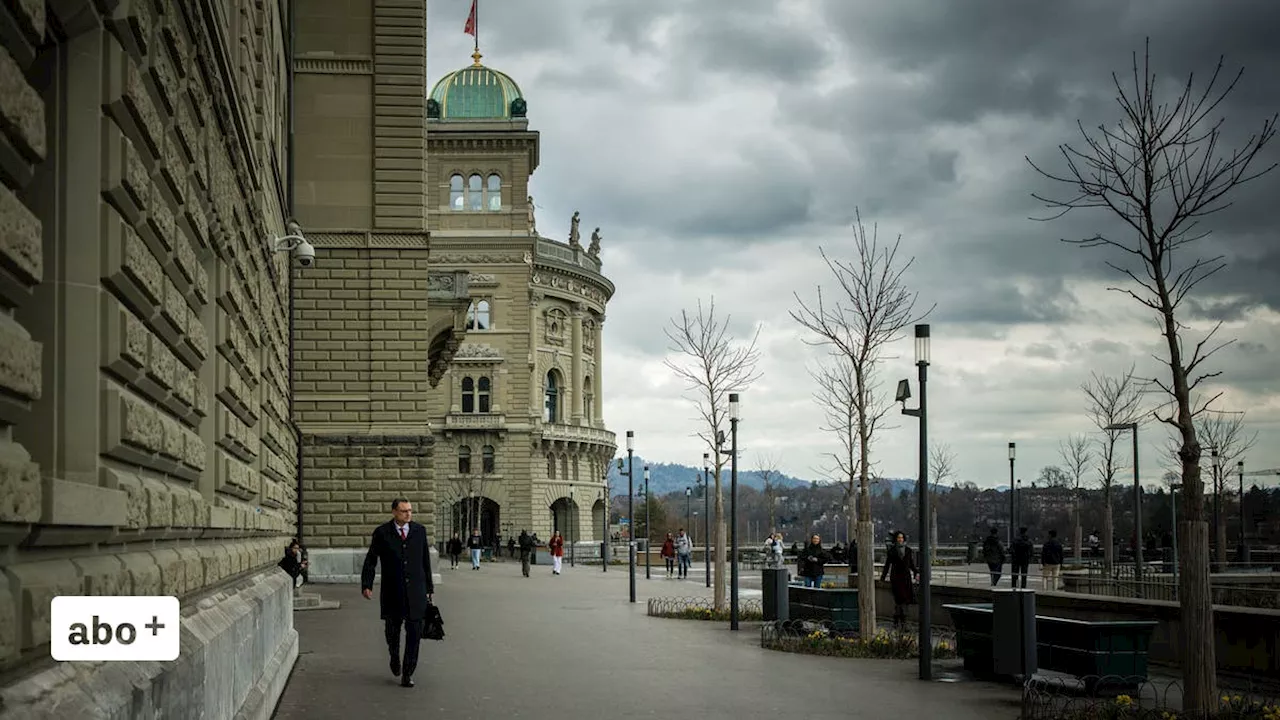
476,36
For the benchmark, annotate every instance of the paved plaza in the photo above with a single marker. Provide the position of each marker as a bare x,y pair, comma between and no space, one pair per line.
572,646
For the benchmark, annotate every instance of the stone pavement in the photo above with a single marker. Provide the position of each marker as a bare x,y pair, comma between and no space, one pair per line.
572,646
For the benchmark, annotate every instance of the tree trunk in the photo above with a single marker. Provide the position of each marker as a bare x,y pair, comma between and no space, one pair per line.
1199,659
1108,540
1077,540
866,579
1221,543
719,575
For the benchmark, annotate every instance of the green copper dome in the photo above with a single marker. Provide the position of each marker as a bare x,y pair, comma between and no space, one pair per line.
476,93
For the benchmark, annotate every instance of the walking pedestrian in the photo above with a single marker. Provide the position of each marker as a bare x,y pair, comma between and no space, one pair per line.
526,549
400,545
812,562
684,552
476,546
454,548
993,555
1051,561
1021,555
669,554
555,546
511,548
902,572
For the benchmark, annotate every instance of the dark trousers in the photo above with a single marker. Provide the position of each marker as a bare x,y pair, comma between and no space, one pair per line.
524,563
1019,570
412,639
995,569
453,559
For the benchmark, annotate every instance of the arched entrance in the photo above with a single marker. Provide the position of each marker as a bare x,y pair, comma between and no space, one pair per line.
564,517
598,528
478,512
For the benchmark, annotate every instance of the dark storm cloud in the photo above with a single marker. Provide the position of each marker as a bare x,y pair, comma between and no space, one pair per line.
919,66
1003,302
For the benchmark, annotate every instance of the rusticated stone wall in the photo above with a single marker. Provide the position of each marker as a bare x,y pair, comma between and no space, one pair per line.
145,445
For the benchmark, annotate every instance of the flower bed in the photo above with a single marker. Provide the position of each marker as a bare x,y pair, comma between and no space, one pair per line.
697,608
835,642
1125,707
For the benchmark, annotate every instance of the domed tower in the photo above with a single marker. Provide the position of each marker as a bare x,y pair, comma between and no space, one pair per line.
523,441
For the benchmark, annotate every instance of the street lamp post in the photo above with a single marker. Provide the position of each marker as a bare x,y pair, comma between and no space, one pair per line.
604,524
688,507
1173,512
1217,507
922,497
1013,451
706,514
733,511
631,515
1137,506
1243,538
573,535
648,531
1018,496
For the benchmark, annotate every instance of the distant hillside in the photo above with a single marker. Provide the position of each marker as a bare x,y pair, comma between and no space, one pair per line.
671,477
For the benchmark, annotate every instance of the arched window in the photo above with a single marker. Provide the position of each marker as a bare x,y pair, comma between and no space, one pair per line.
551,467
564,467
493,193
551,408
588,397
475,192
456,200
486,459
468,395
464,460
482,395
478,315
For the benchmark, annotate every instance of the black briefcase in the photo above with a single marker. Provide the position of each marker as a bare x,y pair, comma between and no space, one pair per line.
433,624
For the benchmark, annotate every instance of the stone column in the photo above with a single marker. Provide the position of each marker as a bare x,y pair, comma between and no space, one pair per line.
535,382
598,375
576,394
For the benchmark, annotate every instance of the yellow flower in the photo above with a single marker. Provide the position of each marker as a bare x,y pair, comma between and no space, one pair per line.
1124,701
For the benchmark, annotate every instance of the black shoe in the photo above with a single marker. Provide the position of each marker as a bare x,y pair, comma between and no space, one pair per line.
395,666
406,681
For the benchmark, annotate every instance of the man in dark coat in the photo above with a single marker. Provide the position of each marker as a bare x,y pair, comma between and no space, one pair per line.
993,555
1021,551
401,545
526,550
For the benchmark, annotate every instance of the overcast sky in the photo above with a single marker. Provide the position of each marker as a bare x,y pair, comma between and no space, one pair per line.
720,143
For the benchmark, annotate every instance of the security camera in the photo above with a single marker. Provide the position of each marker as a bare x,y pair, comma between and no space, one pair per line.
294,242
305,254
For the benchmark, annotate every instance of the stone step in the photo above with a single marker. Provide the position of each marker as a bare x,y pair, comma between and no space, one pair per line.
313,601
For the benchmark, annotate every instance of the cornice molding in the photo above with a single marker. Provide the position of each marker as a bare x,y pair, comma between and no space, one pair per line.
366,239
333,65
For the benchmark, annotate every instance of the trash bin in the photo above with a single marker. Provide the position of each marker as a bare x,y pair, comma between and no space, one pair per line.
971,554
1013,631
774,582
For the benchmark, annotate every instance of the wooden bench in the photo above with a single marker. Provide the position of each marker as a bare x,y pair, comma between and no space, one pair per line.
1087,649
837,605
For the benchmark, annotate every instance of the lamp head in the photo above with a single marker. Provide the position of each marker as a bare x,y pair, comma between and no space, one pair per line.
619,464
904,391
646,473
706,462
1013,450
733,406
922,344
631,440
688,491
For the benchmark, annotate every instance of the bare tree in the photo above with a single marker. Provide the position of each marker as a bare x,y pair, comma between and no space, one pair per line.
1160,171
838,396
1224,434
942,467
1112,400
1077,455
870,309
767,466
713,364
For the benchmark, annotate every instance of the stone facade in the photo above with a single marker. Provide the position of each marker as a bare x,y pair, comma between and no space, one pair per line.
145,438
522,441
